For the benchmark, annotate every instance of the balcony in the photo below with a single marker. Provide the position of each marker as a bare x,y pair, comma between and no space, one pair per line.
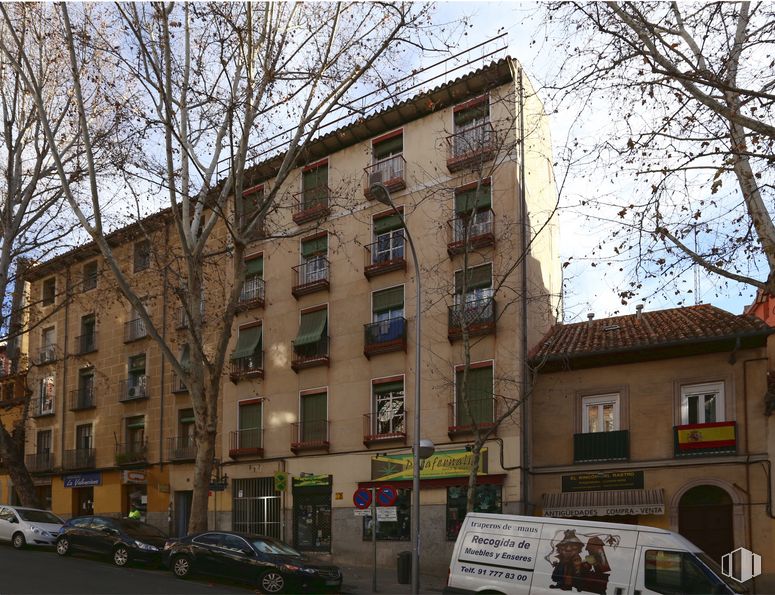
134,330
131,453
181,448
309,435
476,316
86,343
384,336
178,386
246,443
718,438
385,255
377,429
42,462
133,389
311,276
47,355
78,459
598,447
82,398
311,204
389,172
252,294
471,147
482,415
42,407
465,234
310,356
244,368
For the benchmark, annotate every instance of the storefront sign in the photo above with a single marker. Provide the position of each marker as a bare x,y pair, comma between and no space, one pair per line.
307,481
613,480
134,477
82,480
449,463
613,510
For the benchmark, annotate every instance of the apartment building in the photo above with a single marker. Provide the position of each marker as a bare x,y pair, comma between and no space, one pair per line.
317,397
658,418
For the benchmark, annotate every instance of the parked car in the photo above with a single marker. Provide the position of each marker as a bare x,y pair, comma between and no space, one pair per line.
269,564
28,526
124,540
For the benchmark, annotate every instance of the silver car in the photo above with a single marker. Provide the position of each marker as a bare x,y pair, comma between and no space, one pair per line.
28,526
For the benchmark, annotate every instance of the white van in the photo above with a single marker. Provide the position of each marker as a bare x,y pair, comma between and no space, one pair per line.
498,553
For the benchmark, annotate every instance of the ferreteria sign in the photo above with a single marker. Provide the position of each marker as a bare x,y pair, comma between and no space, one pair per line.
449,463
611,480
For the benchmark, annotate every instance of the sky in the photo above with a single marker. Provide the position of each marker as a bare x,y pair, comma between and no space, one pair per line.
589,288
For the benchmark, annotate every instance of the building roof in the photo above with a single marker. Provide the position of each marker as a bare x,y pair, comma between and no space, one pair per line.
646,336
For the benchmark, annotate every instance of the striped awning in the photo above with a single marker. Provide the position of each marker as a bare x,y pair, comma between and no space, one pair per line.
604,503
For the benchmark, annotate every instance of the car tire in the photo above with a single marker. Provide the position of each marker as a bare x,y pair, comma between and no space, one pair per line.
181,566
271,582
121,555
18,541
63,546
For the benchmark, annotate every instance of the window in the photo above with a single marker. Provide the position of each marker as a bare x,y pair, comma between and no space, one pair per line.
314,417
314,265
142,255
488,498
674,572
250,424
43,442
137,378
253,288
83,437
472,126
48,341
89,276
248,353
702,403
388,239
312,340
477,285
46,391
314,186
87,342
387,159
85,397
474,403
135,432
600,413
398,530
186,427
49,291
388,398
388,323
473,213
253,200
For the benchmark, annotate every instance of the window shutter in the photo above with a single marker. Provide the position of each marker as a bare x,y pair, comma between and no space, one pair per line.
187,416
479,395
385,224
388,387
313,407
314,246
391,146
479,111
314,178
250,416
469,200
254,266
389,299
478,277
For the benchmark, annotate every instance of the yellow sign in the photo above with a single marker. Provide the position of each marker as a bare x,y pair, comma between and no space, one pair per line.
450,463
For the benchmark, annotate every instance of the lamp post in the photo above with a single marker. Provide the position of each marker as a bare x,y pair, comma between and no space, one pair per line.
382,195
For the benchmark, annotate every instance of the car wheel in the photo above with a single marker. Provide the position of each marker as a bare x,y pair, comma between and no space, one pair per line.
121,556
18,541
63,546
181,566
271,582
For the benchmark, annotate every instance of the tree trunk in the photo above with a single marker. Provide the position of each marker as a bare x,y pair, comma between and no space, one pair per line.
202,471
473,470
13,458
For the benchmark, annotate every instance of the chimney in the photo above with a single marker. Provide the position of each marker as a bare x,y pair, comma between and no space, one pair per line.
638,311
590,316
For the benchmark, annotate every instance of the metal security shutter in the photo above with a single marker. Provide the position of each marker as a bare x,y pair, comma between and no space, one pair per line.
256,507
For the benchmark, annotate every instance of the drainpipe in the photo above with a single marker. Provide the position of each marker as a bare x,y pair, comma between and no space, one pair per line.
747,448
163,359
64,363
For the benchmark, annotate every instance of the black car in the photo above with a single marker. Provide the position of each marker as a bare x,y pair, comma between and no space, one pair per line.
122,539
269,564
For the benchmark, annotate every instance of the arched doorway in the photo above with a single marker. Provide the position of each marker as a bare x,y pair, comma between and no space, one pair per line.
705,519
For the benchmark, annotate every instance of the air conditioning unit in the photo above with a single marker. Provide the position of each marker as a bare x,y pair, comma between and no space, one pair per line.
135,392
376,177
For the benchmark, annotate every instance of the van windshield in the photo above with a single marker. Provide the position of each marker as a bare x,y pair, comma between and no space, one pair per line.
714,566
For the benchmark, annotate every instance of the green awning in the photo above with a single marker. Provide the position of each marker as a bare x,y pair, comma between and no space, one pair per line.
135,423
388,299
388,387
254,266
187,416
385,224
311,328
478,277
391,146
471,199
247,342
314,246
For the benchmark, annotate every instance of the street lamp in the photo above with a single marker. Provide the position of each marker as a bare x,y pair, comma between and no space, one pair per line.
382,195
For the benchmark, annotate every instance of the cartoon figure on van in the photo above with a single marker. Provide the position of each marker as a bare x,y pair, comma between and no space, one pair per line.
571,571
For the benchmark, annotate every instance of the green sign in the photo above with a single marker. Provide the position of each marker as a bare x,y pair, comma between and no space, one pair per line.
610,480
449,463
280,481
307,481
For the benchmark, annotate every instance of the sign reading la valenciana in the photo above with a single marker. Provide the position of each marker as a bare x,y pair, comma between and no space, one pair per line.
83,480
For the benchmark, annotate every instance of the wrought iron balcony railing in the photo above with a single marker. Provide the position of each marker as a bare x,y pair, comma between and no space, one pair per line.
79,458
384,336
308,356
476,316
311,276
134,330
310,435
131,453
388,172
82,398
246,442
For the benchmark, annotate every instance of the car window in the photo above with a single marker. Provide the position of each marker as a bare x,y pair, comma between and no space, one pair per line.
139,529
81,522
6,514
676,572
208,539
98,524
234,543
270,546
39,516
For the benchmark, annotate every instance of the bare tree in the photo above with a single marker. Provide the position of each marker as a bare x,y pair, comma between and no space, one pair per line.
207,83
687,90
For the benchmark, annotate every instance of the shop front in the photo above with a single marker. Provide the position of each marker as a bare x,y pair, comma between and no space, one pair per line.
312,513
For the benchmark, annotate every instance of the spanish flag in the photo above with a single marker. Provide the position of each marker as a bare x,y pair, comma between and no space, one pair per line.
719,435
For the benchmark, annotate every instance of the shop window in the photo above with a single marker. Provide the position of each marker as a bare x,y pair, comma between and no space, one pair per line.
49,291
702,403
393,530
600,413
488,499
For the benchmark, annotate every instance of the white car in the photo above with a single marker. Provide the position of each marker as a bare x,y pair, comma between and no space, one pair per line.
28,526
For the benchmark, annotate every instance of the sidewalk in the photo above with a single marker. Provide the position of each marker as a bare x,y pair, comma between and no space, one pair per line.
358,580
